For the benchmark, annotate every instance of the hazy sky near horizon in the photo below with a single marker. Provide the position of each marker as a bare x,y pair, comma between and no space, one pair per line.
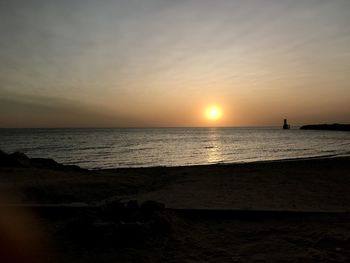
161,62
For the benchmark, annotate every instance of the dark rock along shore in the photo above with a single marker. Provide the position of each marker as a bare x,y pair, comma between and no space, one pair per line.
327,127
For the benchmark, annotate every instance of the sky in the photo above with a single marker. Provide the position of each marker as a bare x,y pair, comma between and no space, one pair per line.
161,63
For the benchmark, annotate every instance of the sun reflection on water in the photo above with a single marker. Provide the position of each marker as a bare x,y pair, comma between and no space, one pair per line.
214,154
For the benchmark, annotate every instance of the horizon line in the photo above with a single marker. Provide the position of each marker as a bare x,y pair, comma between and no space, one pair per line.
150,127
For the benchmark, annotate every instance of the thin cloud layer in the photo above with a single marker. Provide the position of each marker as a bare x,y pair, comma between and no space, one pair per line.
159,63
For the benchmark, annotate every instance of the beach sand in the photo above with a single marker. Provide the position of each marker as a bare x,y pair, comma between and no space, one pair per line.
289,211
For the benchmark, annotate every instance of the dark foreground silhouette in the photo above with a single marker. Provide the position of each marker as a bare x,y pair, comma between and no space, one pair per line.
286,211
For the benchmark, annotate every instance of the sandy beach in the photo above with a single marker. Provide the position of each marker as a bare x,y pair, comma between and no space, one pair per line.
289,211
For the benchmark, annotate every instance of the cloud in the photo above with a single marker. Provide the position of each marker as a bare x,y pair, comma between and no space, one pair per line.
145,60
36,111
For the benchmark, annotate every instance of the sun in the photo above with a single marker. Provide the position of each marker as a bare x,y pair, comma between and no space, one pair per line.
213,113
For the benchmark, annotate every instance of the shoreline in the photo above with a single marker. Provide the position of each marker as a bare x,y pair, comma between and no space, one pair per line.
221,163
296,159
277,184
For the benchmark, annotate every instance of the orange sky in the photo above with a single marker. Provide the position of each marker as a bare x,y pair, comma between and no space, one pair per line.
156,63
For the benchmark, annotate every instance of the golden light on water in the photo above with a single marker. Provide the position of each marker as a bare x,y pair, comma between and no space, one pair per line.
213,113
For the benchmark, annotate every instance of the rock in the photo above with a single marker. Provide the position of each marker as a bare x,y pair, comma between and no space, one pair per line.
15,159
161,223
20,160
328,127
149,207
45,163
114,210
133,213
152,206
132,205
79,228
133,234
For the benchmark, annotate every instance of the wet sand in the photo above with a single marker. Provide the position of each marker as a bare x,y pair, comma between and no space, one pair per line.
315,190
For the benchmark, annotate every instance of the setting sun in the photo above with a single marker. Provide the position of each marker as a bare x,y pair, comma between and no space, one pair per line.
213,113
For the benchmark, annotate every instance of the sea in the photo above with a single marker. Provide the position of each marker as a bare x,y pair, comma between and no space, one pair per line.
146,147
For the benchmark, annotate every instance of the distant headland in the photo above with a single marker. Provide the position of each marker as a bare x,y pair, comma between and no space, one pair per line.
327,127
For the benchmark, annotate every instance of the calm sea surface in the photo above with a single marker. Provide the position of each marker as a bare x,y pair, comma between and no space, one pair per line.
111,148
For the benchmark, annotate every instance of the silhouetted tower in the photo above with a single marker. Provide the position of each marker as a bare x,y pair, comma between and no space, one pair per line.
286,126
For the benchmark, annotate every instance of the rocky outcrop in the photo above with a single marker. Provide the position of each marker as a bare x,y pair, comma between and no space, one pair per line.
122,224
20,160
327,127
